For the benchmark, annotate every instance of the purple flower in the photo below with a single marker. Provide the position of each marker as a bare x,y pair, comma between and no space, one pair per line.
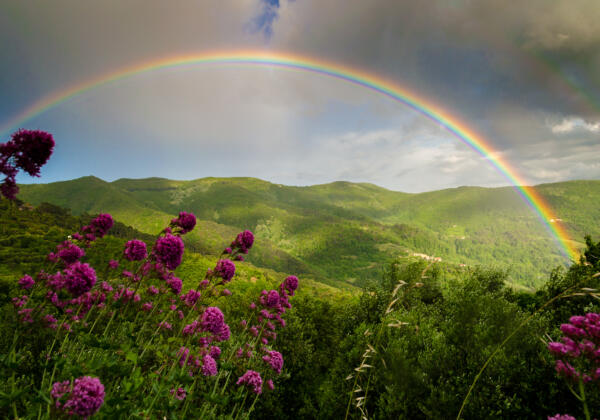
270,384
191,297
213,320
102,224
252,380
557,349
152,290
69,252
225,269
86,396
113,264
209,366
175,284
33,149
59,389
275,360
291,284
26,282
50,321
180,394
79,278
561,417
135,250
28,150
224,334
244,241
272,299
214,352
169,250
186,221
227,250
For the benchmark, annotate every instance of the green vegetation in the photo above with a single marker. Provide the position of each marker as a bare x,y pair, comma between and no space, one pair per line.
341,233
423,329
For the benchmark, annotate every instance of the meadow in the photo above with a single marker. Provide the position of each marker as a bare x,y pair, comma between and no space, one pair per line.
236,298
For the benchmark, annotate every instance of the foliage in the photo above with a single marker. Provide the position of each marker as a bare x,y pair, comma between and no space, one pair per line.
343,232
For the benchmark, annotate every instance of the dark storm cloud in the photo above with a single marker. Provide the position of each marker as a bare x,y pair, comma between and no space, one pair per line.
525,76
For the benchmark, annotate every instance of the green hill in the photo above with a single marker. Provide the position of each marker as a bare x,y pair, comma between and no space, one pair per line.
342,232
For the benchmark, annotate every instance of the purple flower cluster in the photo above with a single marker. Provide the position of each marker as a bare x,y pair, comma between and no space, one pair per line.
243,241
79,278
561,417
252,380
169,251
84,399
185,222
290,284
26,282
28,150
69,252
275,360
180,394
135,250
213,320
225,269
580,346
209,366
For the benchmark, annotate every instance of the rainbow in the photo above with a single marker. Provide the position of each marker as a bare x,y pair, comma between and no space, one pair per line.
370,81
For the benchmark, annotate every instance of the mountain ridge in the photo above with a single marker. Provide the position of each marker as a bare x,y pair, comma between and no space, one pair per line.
343,231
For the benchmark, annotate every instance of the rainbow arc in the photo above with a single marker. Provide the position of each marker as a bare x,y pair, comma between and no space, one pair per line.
358,77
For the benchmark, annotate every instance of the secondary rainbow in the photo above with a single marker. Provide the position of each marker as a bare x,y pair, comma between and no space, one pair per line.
355,76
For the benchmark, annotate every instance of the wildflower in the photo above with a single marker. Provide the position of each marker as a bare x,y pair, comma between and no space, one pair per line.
26,315
113,264
79,278
225,269
239,258
214,352
272,299
26,282
106,287
252,380
270,384
561,417
180,394
186,222
86,397
69,252
213,320
291,284
175,284
184,356
243,241
135,250
164,325
169,250
226,292
50,321
102,224
254,331
224,334
209,366
59,389
28,150
227,250
275,360
152,290
191,297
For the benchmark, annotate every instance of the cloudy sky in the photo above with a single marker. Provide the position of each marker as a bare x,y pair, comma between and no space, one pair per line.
526,77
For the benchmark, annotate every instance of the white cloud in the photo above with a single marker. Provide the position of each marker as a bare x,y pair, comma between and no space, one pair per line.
568,125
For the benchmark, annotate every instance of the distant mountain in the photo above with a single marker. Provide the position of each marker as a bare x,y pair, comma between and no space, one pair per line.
343,232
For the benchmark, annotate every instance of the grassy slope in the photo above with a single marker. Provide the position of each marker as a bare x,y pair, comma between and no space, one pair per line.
343,231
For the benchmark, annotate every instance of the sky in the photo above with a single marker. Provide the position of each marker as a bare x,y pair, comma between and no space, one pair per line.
526,77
